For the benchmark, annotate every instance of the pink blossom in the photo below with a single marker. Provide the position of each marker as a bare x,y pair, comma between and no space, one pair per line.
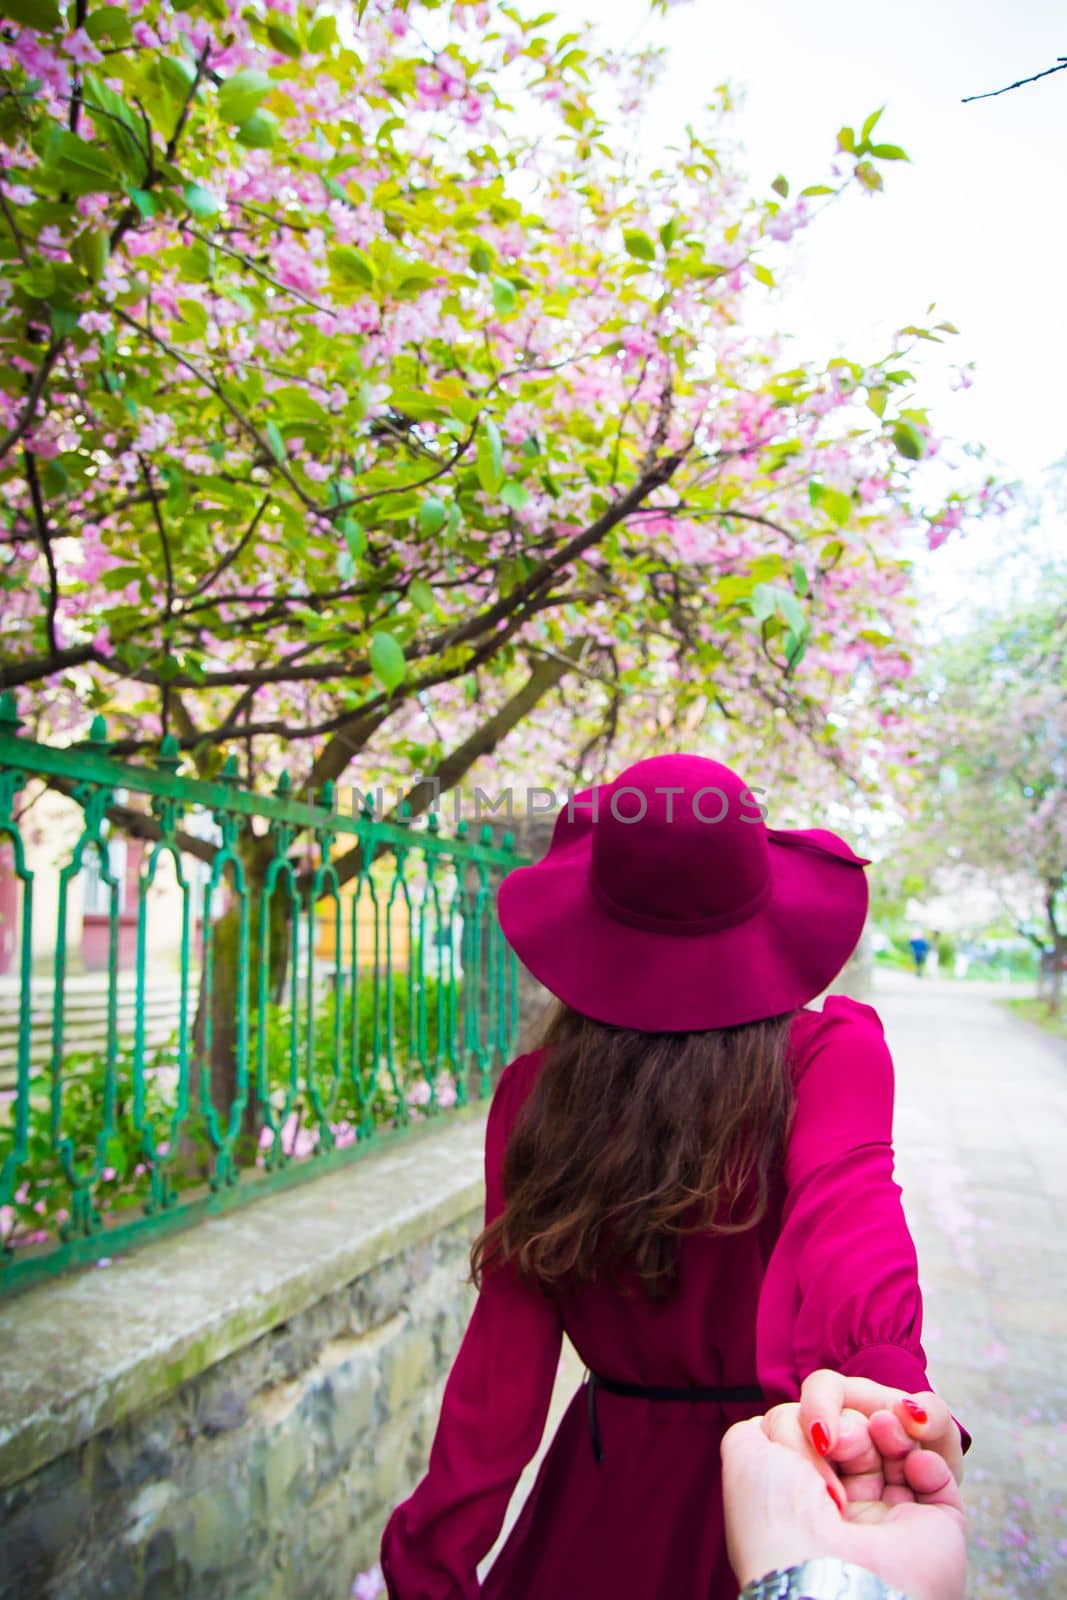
80,48
368,1585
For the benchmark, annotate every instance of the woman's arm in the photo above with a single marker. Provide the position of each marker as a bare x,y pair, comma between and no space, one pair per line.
492,1414
841,1289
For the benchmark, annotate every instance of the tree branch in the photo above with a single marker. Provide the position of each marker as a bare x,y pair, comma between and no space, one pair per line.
657,474
1020,83
41,519
546,674
36,389
15,673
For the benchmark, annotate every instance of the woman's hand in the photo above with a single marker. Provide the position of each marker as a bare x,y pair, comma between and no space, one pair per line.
920,1418
779,1511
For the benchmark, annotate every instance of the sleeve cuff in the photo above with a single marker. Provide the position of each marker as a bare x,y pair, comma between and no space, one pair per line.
898,1369
890,1364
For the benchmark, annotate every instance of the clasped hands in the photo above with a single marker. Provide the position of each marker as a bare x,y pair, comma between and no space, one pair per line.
854,1470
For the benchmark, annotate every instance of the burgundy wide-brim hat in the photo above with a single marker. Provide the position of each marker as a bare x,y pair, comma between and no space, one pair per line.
665,904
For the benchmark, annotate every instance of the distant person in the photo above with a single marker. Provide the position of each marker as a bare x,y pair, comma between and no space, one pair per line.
691,1178
920,949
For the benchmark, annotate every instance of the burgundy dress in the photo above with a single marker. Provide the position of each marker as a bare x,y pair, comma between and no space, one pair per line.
829,1280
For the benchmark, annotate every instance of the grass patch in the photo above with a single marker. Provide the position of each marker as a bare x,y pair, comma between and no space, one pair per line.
1037,1011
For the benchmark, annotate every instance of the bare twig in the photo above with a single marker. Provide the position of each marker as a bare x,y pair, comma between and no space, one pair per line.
1020,83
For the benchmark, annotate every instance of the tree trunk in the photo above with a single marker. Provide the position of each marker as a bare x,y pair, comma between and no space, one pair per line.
222,1055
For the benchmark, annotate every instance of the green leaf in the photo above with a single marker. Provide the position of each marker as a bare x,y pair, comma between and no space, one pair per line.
789,607
515,495
639,245
800,578
481,258
44,15
192,323
876,399
273,436
869,177
490,460
242,94
350,266
175,75
909,441
352,532
831,552
323,35
93,250
781,186
816,189
117,127
504,296
259,131
763,274
795,648
846,140
201,202
421,596
115,1156
387,660
837,505
38,282
870,124
889,152
762,601
120,578
668,233
144,202
76,166
432,514
110,23
54,479
284,37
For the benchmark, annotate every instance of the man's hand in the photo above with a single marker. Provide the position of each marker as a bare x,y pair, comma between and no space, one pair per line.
903,1521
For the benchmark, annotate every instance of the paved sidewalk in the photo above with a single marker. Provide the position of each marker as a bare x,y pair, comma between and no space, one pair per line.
981,1138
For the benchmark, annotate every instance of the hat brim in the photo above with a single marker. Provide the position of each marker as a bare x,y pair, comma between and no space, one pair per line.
775,961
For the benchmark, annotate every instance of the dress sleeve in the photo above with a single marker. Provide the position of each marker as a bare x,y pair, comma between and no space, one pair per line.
841,1288
492,1415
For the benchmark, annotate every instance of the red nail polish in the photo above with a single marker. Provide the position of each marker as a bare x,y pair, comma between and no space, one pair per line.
820,1438
833,1497
915,1412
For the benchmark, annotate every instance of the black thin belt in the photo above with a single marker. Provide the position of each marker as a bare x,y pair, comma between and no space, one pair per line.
656,1391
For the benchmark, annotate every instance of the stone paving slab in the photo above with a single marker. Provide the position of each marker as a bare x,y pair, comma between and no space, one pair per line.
981,1137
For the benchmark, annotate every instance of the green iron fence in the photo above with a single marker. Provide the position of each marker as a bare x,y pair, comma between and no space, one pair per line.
304,1021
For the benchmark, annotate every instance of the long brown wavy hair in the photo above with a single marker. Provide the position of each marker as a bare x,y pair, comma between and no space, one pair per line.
629,1140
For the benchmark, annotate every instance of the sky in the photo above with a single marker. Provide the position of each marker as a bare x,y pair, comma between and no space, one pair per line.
974,223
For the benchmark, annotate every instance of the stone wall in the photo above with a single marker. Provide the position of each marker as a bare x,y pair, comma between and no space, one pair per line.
234,1411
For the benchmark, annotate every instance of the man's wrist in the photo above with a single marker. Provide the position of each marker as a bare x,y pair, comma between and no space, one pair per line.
824,1578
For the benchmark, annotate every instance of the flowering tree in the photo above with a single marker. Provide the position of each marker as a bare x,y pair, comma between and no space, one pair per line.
341,370
363,392
996,757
